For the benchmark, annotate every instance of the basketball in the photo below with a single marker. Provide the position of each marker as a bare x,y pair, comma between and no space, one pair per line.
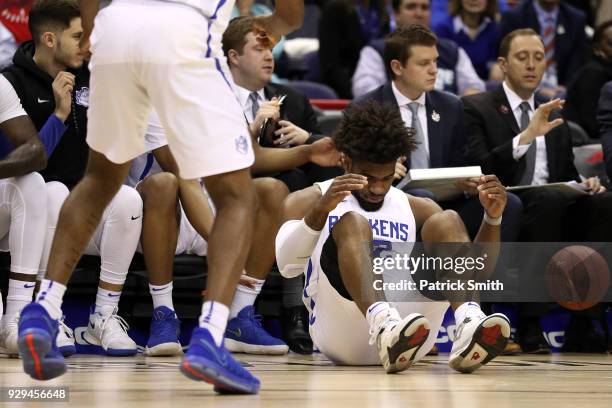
577,277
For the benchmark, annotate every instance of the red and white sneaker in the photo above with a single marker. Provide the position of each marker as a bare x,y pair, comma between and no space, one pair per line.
478,340
398,340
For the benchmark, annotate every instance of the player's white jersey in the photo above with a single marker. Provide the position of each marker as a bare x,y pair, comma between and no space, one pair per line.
393,222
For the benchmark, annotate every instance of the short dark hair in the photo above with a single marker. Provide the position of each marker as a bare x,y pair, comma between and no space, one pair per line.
455,7
395,4
51,15
506,42
234,36
373,132
398,44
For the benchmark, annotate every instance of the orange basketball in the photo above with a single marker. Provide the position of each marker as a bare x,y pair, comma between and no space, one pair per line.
577,277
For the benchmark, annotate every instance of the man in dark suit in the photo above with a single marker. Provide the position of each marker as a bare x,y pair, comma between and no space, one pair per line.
411,54
562,29
604,119
526,144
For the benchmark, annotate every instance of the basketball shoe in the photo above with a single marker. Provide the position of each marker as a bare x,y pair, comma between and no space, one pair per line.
164,332
8,334
65,339
205,361
478,340
37,332
244,334
108,330
398,340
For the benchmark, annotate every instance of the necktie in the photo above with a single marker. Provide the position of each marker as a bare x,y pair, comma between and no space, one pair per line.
419,159
254,97
548,38
530,156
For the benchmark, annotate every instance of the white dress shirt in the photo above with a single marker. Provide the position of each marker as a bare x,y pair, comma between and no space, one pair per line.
540,174
402,102
244,97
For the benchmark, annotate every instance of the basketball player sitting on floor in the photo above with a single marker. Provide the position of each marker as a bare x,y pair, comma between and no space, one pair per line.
339,280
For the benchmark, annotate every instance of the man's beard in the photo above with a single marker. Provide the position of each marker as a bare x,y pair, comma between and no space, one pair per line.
366,205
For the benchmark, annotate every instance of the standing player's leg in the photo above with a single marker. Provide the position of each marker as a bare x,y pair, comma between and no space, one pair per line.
346,260
480,338
78,220
207,359
56,196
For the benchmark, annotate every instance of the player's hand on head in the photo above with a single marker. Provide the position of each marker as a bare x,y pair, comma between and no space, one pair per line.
492,195
63,85
469,185
290,134
341,187
323,153
400,169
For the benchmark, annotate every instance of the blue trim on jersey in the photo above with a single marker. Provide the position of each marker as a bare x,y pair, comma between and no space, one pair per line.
308,275
147,168
211,20
218,66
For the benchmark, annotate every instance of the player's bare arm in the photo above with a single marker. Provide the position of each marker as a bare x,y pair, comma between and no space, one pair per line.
89,10
493,198
29,153
287,17
271,160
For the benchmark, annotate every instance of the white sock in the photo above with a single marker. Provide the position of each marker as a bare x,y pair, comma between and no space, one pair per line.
245,296
19,295
50,297
106,297
467,309
374,310
214,318
161,295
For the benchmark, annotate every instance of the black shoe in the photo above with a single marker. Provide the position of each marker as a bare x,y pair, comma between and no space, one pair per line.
581,336
294,321
531,339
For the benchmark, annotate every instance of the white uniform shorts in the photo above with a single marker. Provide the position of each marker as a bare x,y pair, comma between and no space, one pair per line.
189,241
149,54
341,332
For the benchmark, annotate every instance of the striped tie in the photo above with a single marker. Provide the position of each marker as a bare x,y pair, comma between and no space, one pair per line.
548,37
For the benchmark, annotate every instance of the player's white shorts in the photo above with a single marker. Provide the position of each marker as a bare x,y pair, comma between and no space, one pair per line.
341,332
189,241
157,54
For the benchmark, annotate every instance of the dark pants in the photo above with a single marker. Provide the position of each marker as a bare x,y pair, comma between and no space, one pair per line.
549,216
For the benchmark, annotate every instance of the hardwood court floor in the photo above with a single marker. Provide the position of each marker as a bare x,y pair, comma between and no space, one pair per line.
566,380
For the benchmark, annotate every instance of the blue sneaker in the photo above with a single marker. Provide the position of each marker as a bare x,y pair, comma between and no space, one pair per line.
37,332
244,334
204,361
164,332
